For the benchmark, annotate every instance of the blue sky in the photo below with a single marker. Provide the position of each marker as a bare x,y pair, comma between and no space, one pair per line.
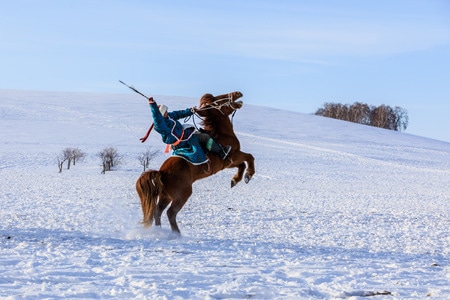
293,55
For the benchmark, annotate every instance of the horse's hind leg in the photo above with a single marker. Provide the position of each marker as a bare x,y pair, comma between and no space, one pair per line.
177,204
238,176
172,215
160,207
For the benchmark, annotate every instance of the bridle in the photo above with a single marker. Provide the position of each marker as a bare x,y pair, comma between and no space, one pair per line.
216,105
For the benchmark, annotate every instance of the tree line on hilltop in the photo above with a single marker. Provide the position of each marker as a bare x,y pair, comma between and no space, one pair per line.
382,116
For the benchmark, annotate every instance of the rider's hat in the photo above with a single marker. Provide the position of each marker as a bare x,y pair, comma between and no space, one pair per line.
163,109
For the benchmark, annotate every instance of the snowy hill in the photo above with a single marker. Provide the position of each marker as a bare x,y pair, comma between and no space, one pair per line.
335,209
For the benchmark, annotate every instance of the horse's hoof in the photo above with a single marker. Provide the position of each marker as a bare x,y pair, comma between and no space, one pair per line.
174,235
247,178
233,183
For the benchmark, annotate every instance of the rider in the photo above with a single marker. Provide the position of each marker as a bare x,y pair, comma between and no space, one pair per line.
173,133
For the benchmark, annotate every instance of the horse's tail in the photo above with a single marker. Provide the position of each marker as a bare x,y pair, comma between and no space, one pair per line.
148,187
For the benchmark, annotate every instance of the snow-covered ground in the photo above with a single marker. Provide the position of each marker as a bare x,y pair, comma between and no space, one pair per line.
335,210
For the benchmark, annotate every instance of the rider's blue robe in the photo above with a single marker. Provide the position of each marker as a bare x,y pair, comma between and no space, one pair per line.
171,131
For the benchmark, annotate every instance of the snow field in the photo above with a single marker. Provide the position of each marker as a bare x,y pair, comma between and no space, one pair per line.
335,210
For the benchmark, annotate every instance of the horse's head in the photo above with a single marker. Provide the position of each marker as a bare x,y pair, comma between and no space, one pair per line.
226,103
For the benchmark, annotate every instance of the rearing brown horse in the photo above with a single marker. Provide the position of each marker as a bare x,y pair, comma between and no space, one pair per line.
172,184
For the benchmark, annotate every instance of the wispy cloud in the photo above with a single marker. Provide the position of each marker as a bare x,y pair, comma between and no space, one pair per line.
311,32
302,34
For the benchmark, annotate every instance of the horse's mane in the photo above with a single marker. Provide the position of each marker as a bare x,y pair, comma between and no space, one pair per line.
214,117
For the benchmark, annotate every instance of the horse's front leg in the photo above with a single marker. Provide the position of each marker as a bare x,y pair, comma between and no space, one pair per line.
243,161
250,160
238,176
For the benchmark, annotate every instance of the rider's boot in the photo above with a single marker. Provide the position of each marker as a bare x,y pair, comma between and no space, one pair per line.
217,148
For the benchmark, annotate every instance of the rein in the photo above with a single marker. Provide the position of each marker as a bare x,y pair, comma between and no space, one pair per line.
214,105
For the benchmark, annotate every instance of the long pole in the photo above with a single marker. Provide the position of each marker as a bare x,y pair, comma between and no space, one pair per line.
133,88
144,138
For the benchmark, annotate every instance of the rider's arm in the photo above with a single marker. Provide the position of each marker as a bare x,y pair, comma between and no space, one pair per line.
158,119
178,114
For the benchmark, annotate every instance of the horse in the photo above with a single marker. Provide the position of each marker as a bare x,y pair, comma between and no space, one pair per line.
172,183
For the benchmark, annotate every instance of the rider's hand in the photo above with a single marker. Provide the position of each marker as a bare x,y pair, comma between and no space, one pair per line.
150,100
193,109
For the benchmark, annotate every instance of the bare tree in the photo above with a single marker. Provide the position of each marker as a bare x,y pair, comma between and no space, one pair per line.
401,118
342,112
67,154
359,113
71,155
77,155
329,110
146,156
110,157
382,117
60,159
